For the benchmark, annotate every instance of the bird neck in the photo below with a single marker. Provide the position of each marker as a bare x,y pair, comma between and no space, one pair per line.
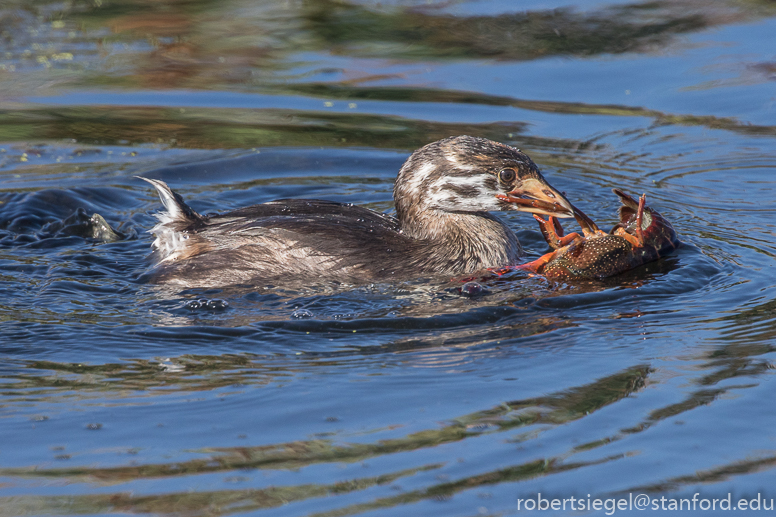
475,240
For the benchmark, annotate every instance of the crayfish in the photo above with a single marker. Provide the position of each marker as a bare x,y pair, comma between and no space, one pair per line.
641,236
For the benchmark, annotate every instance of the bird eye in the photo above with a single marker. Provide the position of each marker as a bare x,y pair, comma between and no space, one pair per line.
507,175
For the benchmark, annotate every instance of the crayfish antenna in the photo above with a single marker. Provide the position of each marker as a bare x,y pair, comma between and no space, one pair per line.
640,219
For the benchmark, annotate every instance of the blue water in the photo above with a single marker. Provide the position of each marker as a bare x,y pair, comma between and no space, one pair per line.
122,397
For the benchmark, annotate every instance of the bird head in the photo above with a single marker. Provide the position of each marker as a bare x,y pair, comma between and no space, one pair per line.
467,174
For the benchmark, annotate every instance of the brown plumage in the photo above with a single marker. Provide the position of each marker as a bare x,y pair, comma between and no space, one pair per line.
442,226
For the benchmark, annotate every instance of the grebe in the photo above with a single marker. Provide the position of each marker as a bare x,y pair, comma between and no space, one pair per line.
443,195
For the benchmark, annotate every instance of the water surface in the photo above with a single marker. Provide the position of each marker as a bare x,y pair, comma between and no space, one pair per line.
122,397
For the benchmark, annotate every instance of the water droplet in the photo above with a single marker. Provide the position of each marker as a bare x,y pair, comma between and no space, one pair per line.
472,289
193,304
217,304
302,314
204,303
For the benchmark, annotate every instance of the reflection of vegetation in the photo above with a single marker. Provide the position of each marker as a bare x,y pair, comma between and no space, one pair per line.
714,475
207,44
204,503
749,328
227,502
727,363
731,361
522,35
188,45
552,409
739,360
226,128
444,491
205,128
534,414
187,372
549,410
344,91
188,38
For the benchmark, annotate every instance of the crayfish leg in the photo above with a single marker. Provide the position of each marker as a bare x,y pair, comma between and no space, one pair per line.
552,231
537,265
637,241
632,239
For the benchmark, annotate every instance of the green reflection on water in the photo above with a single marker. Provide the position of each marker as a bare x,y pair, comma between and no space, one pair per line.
177,44
215,128
553,409
549,410
534,414
228,128
415,33
211,503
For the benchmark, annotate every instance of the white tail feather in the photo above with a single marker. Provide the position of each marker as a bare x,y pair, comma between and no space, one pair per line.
170,242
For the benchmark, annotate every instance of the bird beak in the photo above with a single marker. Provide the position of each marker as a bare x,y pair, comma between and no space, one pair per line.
537,196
